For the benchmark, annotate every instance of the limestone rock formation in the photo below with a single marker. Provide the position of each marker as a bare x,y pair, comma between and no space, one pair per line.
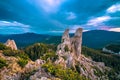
71,45
76,42
33,68
69,52
70,48
14,72
11,44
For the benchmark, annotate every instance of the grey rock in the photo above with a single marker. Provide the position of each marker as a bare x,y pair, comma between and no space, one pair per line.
11,44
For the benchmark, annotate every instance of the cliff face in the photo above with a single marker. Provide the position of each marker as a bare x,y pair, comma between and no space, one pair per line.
69,52
11,44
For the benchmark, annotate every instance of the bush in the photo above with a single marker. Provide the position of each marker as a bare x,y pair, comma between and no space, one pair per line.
10,52
22,62
23,58
16,53
66,48
3,47
2,63
51,55
37,50
60,72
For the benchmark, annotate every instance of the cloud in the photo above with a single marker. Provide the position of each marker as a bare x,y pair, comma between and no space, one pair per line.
13,27
71,16
58,24
14,23
98,20
115,29
104,27
114,8
74,27
50,5
57,15
56,31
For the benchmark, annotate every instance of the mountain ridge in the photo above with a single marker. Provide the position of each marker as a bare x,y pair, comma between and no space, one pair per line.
93,39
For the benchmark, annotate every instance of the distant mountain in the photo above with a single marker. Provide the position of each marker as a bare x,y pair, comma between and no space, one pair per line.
100,38
93,39
26,39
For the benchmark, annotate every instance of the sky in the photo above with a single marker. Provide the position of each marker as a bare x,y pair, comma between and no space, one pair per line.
54,16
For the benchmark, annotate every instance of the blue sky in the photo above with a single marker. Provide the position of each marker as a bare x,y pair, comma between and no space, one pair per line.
54,16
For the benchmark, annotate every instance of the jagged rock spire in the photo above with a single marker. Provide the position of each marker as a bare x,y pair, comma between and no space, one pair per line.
78,32
65,43
65,36
11,44
73,44
72,57
77,42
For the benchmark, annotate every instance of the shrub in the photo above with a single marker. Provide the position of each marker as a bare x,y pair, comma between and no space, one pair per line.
3,47
60,72
10,52
51,55
23,58
66,48
35,51
2,63
16,53
22,62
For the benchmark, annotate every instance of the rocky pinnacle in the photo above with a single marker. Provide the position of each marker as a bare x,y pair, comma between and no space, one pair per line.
11,44
77,41
71,46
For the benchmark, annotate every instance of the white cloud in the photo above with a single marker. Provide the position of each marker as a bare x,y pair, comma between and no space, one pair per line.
113,8
98,20
50,5
58,24
57,31
71,16
12,26
74,27
115,29
14,23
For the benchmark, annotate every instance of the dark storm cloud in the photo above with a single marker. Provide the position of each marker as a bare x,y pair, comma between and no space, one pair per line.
56,15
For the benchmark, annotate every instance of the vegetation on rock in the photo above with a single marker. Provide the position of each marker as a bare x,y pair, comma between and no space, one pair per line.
47,53
3,47
110,60
37,50
66,48
49,56
22,62
2,63
62,73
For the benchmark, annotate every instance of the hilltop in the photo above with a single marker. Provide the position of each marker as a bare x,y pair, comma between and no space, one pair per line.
69,60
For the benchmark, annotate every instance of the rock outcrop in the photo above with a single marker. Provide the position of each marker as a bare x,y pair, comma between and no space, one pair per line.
70,48
14,72
76,42
69,52
11,44
72,45
31,71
